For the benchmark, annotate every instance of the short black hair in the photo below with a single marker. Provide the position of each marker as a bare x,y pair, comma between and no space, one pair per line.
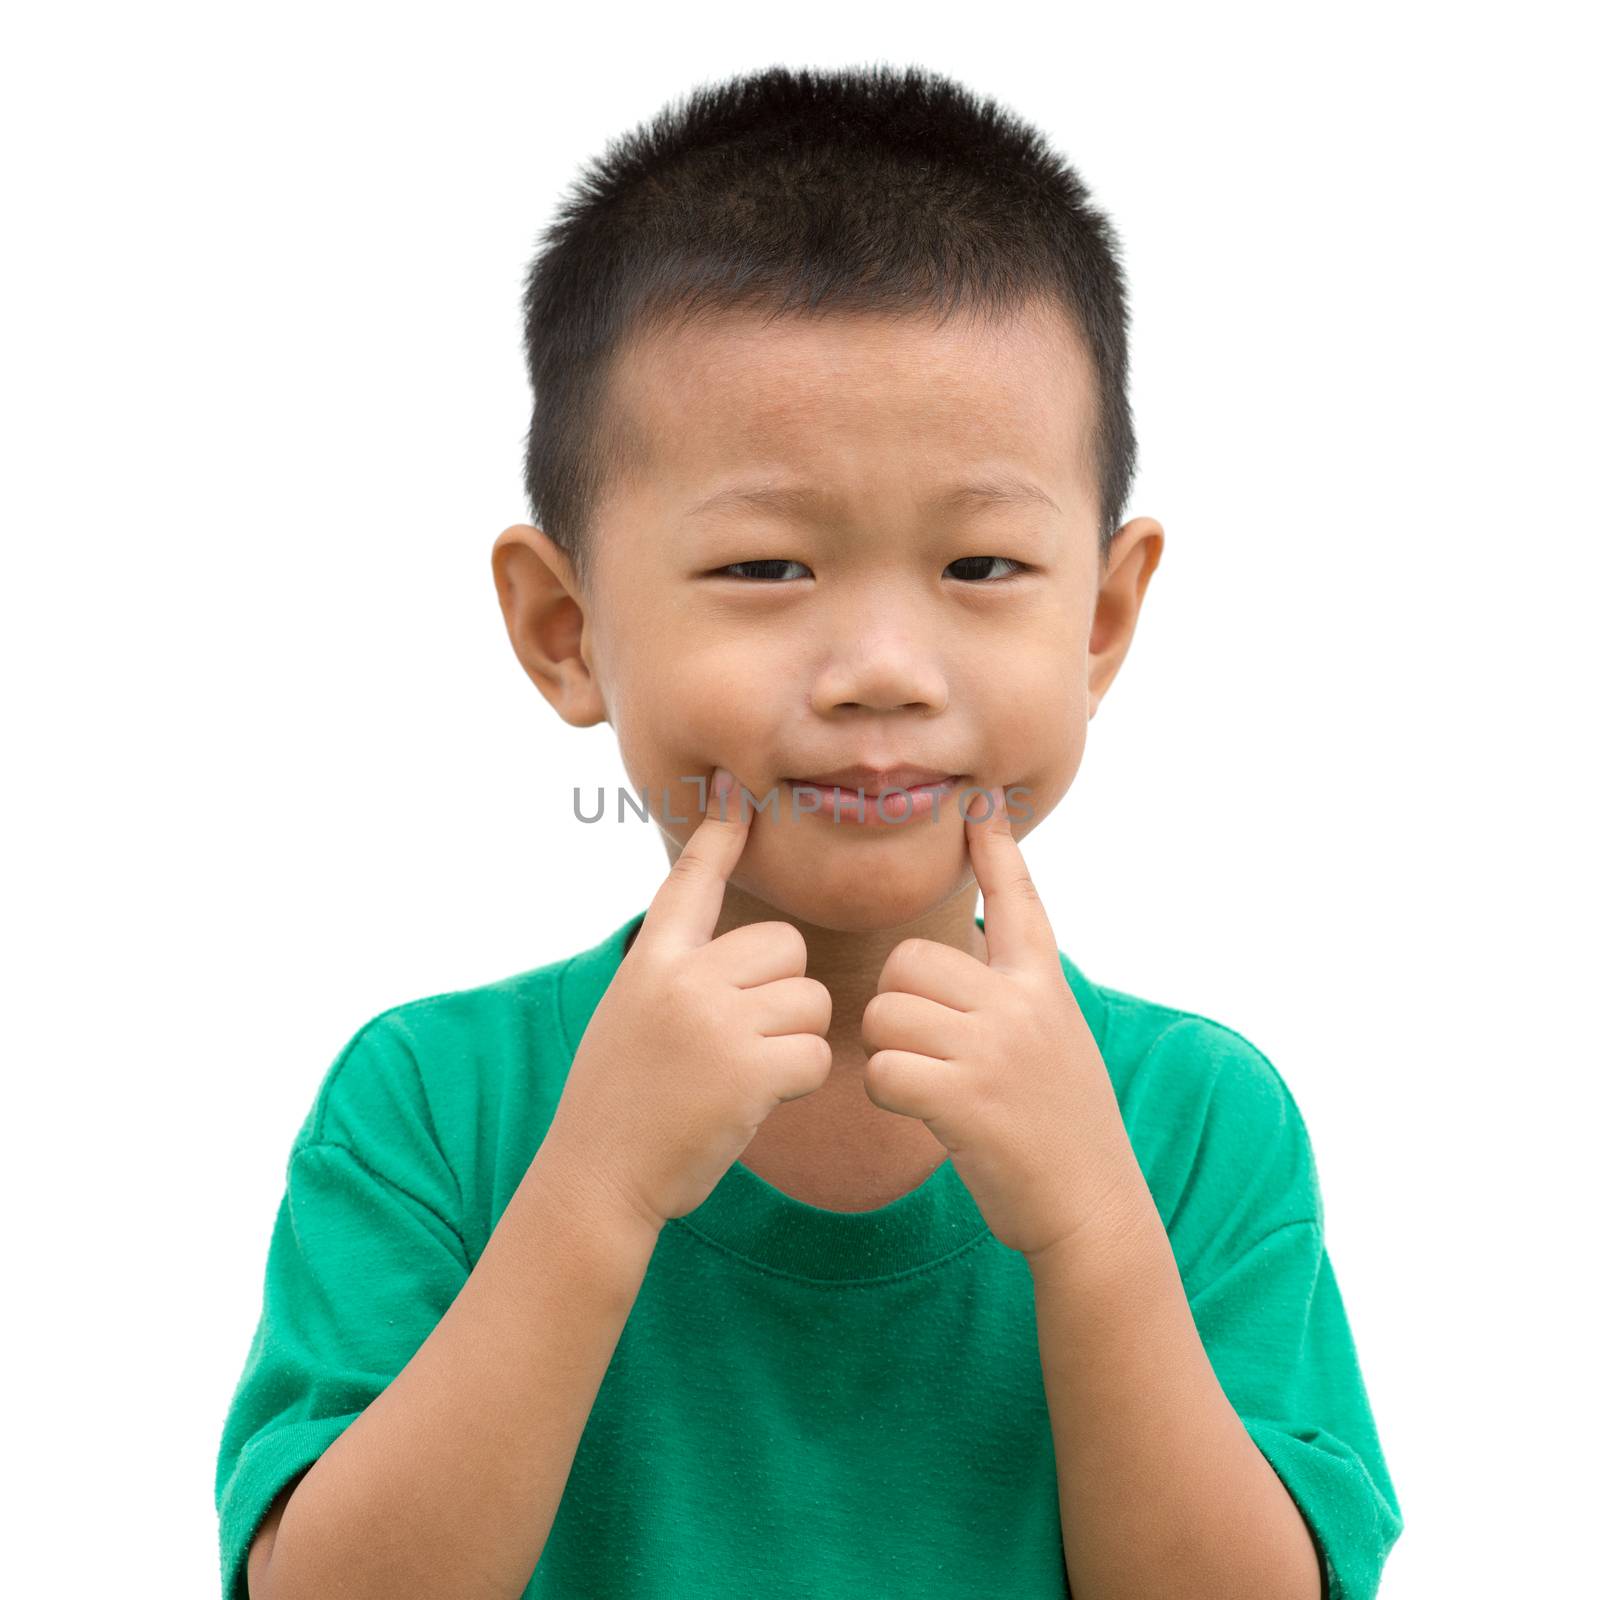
799,191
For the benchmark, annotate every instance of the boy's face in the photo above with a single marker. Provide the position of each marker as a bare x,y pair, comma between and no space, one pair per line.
878,629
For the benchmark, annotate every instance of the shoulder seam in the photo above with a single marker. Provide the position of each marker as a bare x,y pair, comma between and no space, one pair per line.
388,1182
427,1111
314,1136
1255,1244
1294,1222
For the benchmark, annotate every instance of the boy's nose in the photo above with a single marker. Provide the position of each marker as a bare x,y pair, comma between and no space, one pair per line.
882,678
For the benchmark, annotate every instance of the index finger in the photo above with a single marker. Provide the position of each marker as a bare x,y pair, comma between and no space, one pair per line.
1015,926
689,901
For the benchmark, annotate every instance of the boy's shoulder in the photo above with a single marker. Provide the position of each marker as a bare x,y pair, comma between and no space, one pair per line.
415,1047
1150,1036
1170,1064
451,1064
446,1097
1213,1121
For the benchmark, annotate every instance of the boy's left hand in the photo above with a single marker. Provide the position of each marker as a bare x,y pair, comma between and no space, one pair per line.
997,1059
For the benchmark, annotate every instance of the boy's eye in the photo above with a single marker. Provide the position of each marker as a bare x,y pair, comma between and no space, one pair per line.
762,571
765,575
967,561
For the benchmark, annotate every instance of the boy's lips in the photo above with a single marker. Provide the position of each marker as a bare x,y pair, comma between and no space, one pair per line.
876,780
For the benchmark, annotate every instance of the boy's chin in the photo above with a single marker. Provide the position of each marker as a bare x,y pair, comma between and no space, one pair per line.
856,898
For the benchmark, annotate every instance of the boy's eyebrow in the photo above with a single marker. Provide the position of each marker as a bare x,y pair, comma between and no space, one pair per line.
1001,489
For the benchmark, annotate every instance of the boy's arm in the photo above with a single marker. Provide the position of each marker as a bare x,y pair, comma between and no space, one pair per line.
261,1545
1163,1491
449,1480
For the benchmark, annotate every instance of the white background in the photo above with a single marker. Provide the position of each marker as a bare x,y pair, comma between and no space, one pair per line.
274,767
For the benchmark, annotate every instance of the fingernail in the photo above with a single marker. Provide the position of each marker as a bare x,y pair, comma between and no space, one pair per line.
721,782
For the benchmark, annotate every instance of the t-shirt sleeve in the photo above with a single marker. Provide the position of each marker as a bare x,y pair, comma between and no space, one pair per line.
364,1260
1267,1306
1280,1344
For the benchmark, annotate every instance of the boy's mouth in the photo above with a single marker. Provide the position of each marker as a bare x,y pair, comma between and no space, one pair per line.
863,801
874,781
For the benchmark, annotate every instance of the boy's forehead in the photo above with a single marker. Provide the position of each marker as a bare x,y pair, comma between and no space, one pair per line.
856,397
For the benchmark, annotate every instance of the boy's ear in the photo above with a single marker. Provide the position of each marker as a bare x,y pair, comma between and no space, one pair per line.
544,614
1133,556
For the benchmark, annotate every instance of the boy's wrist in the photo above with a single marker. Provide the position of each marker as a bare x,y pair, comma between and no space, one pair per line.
591,1206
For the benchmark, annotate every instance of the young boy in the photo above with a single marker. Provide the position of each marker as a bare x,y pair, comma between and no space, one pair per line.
811,1235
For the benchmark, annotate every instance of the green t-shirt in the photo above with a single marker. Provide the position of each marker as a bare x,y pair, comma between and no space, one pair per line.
802,1403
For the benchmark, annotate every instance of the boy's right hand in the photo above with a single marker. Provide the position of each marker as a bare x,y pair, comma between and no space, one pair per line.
696,1040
